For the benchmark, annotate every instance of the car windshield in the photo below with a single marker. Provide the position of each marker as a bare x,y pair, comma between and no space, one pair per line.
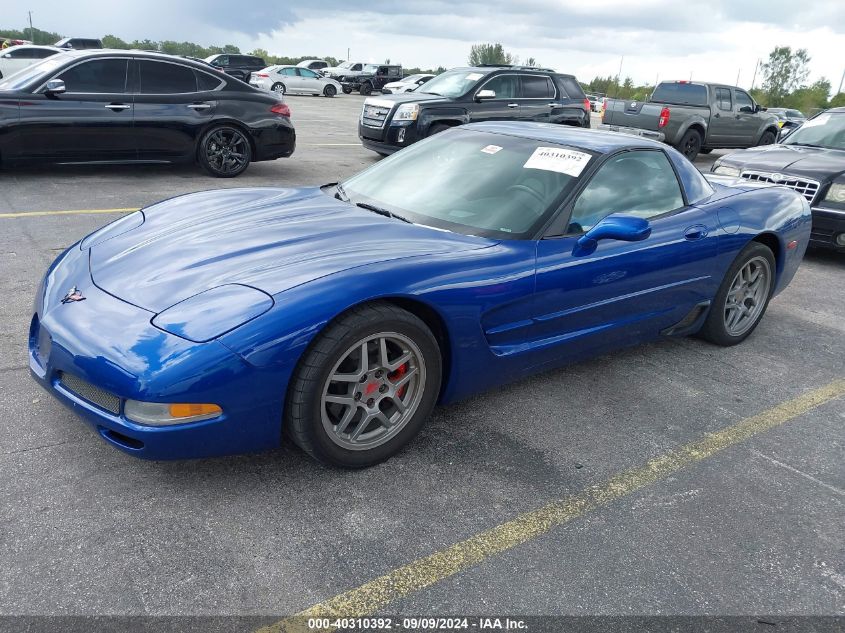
370,68
346,65
413,78
475,183
453,83
18,80
825,130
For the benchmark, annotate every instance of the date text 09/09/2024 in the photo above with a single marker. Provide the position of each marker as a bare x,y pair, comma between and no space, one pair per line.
424,623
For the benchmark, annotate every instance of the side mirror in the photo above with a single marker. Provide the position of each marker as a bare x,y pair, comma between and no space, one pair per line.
747,109
55,87
616,226
759,108
483,95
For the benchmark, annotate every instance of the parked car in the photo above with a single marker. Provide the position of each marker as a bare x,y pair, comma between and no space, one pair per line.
810,161
463,95
317,65
8,42
346,69
239,66
294,80
15,58
596,102
504,246
694,117
406,84
372,79
79,43
788,119
131,106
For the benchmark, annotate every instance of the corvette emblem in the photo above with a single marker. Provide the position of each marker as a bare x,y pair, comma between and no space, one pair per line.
73,295
777,177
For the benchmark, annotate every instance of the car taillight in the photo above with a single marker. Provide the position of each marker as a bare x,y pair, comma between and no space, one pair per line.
261,75
587,105
281,109
664,118
603,109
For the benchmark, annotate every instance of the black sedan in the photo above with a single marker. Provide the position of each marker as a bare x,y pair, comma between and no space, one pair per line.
811,161
132,106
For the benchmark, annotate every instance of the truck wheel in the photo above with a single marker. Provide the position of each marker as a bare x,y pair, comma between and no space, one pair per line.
347,91
690,144
768,138
366,88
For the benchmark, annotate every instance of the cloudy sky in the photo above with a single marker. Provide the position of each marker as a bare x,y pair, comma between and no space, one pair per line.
673,39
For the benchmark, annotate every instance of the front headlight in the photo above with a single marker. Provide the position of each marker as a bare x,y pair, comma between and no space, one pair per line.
407,112
726,170
836,193
167,413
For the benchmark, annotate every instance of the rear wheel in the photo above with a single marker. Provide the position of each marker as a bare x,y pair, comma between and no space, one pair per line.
366,88
742,297
767,138
278,88
224,151
365,387
329,90
347,91
690,144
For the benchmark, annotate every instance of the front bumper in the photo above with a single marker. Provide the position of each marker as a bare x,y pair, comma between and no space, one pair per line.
828,224
656,136
93,355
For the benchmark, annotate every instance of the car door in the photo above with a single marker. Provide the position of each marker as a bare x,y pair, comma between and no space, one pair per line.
291,79
746,120
623,290
309,81
723,124
170,111
505,105
537,98
92,120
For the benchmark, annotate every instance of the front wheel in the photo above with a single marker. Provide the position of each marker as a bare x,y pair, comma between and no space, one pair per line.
742,297
365,89
690,144
347,91
329,90
224,151
365,387
768,138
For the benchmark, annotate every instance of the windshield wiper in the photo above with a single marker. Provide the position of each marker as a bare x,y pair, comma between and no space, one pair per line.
436,94
381,211
340,194
809,145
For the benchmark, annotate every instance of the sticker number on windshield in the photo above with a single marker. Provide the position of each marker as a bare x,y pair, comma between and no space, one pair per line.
564,161
491,149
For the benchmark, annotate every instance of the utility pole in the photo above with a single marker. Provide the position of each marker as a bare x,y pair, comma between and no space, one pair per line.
737,76
754,78
31,30
347,54
618,77
840,82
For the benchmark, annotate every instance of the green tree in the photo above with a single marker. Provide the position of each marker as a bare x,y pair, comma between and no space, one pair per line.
808,98
481,54
231,49
112,41
838,101
784,72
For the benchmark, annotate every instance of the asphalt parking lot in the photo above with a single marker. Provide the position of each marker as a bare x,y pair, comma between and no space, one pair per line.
743,524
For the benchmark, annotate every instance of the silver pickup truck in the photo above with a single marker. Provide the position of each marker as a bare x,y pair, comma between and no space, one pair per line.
694,117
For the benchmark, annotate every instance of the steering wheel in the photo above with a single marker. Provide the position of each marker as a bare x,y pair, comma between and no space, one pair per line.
529,191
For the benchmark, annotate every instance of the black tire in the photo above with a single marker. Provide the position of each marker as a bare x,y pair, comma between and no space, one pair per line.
214,157
366,88
768,138
715,329
347,91
329,90
437,128
690,144
705,150
304,409
279,88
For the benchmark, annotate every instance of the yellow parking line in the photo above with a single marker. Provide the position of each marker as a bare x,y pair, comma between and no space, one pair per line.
75,212
424,572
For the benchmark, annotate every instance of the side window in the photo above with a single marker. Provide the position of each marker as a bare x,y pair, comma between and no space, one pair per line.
505,86
206,81
290,72
24,54
356,67
572,88
534,87
743,100
221,61
640,183
159,78
723,99
310,74
42,53
104,76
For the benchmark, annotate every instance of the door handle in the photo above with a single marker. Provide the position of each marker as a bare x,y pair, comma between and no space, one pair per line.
513,105
198,106
717,115
695,232
117,107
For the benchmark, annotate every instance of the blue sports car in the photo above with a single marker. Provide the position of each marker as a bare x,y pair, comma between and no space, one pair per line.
339,316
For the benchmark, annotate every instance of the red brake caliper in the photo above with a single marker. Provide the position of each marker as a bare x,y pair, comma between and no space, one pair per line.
396,375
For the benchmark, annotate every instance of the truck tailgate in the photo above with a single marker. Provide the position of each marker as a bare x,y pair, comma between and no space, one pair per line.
634,114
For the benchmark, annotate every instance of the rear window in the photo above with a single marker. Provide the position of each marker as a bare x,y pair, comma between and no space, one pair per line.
570,87
681,94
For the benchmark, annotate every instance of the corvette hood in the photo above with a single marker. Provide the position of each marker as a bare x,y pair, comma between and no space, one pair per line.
816,163
270,239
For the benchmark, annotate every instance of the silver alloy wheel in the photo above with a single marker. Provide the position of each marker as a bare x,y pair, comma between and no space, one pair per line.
747,296
278,88
373,391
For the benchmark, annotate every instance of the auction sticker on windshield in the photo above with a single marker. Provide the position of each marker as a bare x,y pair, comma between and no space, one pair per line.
564,161
491,149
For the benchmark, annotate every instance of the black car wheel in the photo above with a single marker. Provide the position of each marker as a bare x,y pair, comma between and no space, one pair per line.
742,298
347,91
690,144
224,151
278,88
365,387
767,138
366,88
329,90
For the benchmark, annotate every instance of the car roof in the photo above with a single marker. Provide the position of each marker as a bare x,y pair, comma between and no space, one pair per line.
593,140
39,46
